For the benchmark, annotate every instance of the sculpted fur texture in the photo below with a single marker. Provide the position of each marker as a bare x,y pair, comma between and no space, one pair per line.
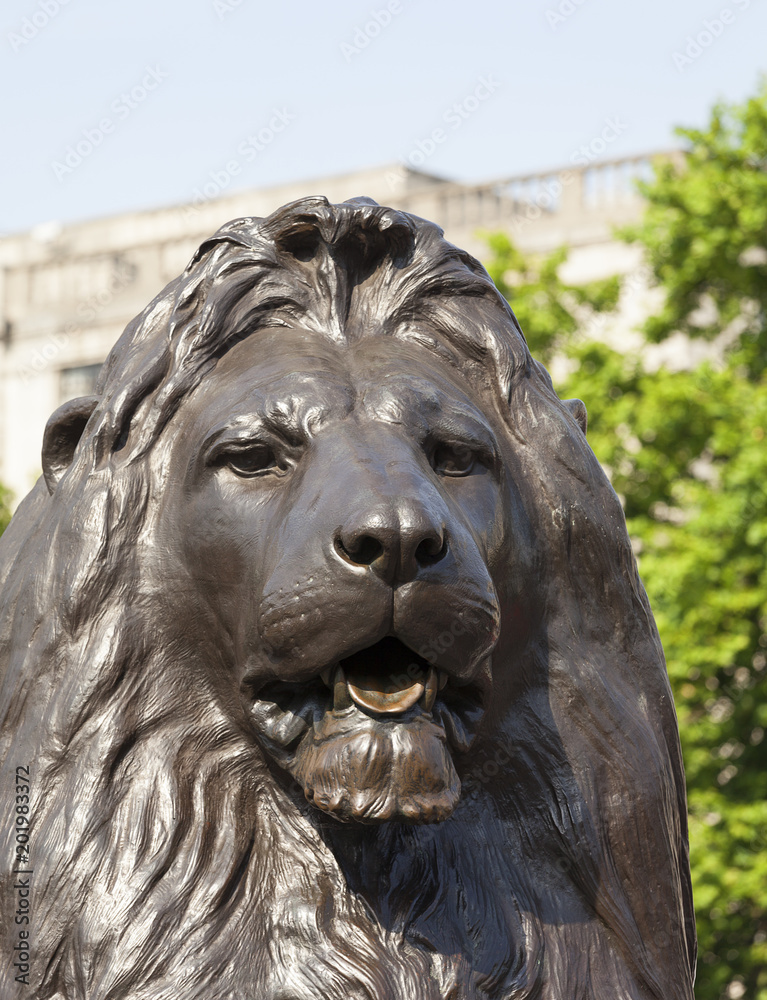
324,641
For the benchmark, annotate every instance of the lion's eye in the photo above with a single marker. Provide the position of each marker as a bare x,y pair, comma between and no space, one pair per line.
254,461
453,459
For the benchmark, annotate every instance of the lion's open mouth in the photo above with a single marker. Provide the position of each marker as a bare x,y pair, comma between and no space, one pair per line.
386,681
386,678
370,738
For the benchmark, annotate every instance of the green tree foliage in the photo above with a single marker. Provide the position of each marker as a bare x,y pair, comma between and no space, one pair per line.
549,311
705,231
5,508
687,453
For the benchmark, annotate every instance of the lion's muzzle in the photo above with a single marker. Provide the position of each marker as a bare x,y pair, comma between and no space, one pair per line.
376,623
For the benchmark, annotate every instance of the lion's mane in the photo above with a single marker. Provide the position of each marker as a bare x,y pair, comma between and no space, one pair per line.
160,836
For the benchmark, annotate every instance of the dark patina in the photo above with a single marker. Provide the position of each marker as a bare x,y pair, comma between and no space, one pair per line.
325,638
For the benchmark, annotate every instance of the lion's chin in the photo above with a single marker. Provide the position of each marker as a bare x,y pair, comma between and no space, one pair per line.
359,768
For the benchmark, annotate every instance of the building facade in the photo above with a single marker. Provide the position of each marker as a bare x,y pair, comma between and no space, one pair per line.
67,292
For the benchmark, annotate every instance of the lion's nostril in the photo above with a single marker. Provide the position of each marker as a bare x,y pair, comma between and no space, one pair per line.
395,553
366,550
363,551
431,550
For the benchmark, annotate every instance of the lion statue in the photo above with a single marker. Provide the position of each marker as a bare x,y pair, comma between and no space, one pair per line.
326,668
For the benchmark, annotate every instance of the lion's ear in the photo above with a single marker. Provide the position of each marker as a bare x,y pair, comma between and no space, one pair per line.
62,434
578,409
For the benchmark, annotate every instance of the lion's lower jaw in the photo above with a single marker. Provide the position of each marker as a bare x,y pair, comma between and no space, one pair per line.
372,771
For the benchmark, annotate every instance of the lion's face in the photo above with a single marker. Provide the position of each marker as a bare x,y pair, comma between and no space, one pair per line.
267,563
341,512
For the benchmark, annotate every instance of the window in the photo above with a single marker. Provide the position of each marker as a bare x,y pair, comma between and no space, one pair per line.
80,381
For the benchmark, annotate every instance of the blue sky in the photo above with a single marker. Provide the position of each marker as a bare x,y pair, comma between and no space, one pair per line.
179,87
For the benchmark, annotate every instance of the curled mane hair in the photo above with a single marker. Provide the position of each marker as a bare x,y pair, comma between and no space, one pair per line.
158,832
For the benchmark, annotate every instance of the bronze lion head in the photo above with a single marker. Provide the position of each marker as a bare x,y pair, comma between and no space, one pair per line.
326,641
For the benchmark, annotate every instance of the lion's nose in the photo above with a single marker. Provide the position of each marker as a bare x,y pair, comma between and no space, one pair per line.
394,547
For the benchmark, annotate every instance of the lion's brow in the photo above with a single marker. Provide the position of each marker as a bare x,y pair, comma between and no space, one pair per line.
290,416
442,414
298,415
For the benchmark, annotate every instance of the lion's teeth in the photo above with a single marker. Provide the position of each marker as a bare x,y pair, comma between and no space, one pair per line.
442,679
341,697
386,702
327,676
430,691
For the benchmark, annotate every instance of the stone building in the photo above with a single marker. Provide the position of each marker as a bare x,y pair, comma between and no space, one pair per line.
67,292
